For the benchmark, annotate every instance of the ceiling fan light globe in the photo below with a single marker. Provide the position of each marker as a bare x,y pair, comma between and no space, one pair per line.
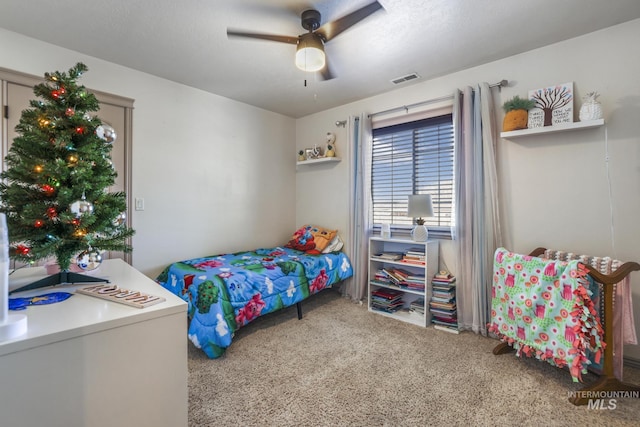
310,59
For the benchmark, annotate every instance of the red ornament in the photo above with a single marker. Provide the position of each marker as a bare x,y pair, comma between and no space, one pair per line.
55,94
80,130
62,90
52,213
48,190
69,112
75,221
22,250
38,223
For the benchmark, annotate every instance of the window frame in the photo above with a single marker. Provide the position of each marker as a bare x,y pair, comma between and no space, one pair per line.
443,116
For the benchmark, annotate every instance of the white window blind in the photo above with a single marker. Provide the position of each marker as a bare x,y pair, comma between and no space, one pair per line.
413,158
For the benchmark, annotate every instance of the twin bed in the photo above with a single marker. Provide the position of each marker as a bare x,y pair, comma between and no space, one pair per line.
227,291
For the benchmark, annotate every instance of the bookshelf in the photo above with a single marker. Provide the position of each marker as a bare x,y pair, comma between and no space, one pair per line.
400,271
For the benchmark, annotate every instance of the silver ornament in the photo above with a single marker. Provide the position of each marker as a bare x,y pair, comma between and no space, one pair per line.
120,219
81,207
107,132
89,260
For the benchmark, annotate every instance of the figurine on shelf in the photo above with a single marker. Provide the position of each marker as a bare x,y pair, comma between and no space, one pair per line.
331,139
301,157
591,108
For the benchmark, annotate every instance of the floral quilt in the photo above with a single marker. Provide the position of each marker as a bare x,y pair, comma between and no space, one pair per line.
543,308
228,291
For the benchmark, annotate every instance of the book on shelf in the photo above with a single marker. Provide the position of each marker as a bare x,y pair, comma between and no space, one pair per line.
417,306
388,300
390,256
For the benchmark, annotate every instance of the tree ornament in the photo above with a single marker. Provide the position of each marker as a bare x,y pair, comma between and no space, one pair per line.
81,207
89,260
38,223
79,130
48,190
120,219
52,213
38,168
107,132
72,159
22,250
69,112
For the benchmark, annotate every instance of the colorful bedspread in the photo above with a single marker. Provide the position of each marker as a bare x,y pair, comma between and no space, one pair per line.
543,308
226,292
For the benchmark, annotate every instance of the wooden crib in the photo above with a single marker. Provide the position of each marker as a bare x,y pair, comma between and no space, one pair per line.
607,380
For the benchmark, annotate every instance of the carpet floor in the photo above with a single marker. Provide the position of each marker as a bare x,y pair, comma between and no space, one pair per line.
342,365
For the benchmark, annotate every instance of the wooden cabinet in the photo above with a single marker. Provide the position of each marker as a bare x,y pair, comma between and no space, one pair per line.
413,294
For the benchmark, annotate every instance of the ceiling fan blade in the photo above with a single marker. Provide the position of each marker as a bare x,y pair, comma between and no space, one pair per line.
332,29
270,37
327,73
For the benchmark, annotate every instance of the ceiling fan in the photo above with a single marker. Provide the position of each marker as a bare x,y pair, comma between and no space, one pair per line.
310,54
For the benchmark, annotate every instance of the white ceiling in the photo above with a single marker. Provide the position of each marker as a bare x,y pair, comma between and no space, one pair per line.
185,41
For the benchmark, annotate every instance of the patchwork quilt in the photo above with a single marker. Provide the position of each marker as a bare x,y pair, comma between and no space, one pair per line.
228,291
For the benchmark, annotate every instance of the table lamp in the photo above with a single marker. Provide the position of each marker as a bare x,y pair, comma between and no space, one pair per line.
420,206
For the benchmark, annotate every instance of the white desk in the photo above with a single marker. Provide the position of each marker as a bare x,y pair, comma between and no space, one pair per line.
88,362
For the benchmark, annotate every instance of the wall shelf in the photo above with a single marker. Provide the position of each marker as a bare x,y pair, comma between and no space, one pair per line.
551,129
320,160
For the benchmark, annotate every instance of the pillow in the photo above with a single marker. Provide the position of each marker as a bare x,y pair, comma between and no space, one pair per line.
311,239
334,246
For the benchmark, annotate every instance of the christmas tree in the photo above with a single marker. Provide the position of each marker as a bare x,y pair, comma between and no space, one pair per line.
55,188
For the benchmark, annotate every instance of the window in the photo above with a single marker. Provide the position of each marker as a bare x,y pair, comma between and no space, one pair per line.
413,158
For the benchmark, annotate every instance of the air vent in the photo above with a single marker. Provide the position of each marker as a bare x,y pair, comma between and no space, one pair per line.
406,78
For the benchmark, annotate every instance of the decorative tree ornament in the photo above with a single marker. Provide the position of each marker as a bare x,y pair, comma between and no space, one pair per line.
89,260
107,132
38,168
38,223
80,130
52,213
23,250
72,159
69,112
120,219
48,190
81,207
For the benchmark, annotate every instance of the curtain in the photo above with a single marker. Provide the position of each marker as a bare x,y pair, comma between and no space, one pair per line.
360,226
477,224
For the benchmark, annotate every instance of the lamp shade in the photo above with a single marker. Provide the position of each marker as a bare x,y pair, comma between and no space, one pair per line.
420,206
310,54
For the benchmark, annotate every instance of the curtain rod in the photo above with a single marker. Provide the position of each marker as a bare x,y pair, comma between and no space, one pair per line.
500,84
